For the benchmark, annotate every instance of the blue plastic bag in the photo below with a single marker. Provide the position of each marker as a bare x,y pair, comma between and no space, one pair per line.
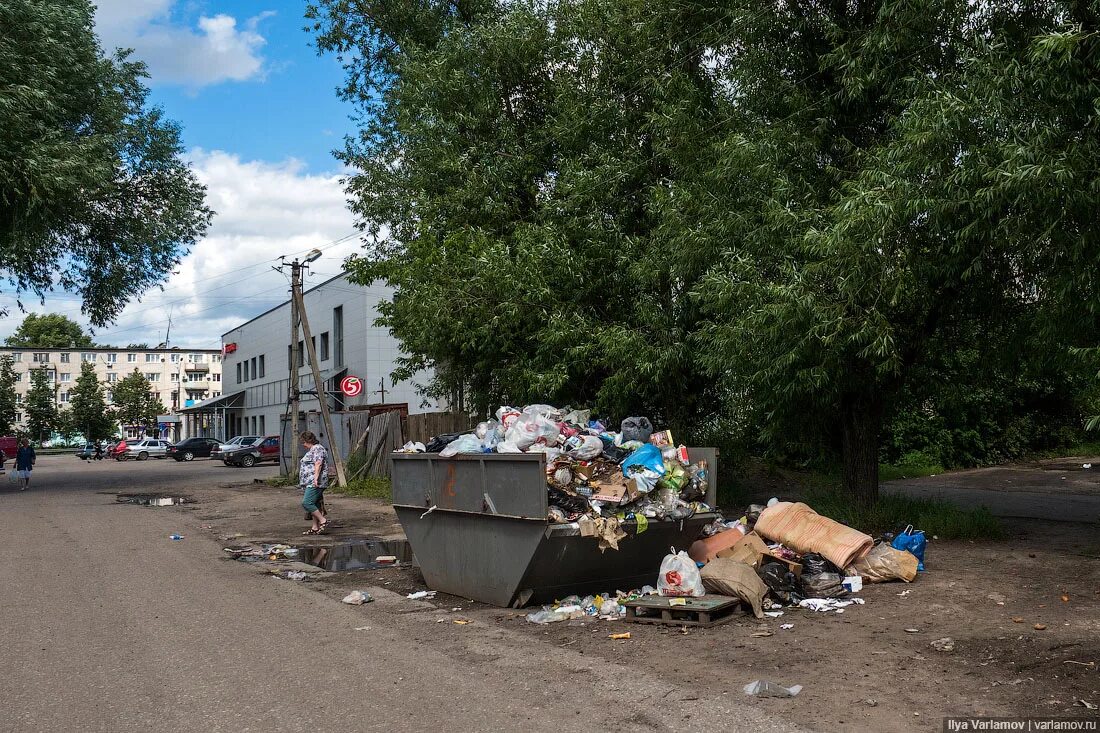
647,457
912,542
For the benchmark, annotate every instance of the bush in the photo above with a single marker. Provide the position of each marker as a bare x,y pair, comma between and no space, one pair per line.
894,512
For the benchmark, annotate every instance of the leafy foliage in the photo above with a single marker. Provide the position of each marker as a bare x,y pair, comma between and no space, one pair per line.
49,330
94,195
41,406
785,223
88,413
134,401
7,395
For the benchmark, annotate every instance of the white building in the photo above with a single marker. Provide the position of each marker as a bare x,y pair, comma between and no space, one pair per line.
178,378
256,368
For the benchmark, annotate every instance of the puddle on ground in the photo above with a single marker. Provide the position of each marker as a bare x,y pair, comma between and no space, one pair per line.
356,555
151,499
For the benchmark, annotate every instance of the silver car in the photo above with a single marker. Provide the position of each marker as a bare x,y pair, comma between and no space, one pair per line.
143,449
241,441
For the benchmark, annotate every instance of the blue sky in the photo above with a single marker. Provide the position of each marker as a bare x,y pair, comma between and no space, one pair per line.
260,117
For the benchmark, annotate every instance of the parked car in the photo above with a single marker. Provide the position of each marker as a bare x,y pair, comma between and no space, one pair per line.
88,452
192,448
114,452
9,445
241,441
144,449
267,449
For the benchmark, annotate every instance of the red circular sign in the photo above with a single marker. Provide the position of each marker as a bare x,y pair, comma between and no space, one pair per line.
351,386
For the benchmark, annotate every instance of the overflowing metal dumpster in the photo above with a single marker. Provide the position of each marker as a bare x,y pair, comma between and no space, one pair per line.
478,528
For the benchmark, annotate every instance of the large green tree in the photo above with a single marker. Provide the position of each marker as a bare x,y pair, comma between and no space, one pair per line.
8,404
134,402
88,413
41,406
49,330
95,197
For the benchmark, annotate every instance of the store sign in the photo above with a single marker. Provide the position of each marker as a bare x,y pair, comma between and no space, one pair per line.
351,386
229,348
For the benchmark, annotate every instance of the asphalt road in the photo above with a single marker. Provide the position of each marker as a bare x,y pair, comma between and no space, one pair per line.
111,626
1056,490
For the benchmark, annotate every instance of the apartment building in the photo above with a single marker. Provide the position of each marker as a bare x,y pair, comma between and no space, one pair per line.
178,378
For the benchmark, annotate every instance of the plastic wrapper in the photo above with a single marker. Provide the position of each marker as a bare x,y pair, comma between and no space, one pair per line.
763,688
912,542
529,429
468,443
674,478
824,585
647,457
883,563
507,415
679,576
589,449
781,582
579,418
636,429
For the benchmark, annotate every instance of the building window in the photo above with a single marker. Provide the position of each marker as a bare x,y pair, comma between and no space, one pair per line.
19,376
66,376
215,358
175,358
324,346
261,366
215,377
88,357
152,358
152,376
338,334
110,396
195,376
174,377
18,398
254,428
17,356
253,363
263,428
112,358
301,354
238,372
215,394
63,398
196,358
64,358
19,417
131,358
112,377
155,395
40,358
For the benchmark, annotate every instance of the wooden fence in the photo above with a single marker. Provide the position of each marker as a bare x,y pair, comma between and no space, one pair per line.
425,426
374,438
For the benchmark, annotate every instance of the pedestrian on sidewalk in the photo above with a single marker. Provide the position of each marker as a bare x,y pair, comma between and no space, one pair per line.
313,480
24,463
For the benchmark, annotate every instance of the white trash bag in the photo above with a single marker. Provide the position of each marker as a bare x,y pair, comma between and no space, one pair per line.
679,576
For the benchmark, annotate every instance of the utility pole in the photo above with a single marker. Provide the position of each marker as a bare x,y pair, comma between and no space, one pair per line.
295,288
319,388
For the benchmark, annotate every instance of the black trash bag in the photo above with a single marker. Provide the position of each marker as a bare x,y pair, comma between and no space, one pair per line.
615,453
783,585
636,428
824,585
814,564
440,442
753,514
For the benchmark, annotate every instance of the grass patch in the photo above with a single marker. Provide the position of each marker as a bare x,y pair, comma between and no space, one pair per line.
892,513
281,481
888,472
371,487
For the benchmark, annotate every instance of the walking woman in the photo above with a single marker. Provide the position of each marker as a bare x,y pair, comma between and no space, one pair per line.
313,480
24,462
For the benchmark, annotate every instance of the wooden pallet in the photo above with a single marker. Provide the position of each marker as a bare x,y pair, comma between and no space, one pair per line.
708,610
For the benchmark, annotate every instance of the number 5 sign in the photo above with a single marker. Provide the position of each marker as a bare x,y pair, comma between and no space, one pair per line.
351,386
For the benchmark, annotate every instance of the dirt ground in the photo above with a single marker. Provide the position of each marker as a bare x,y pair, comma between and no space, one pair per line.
861,670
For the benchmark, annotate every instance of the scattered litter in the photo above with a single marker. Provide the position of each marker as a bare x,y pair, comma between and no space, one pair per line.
175,537
1086,465
624,635
295,575
1017,619
677,601
362,628
853,584
461,621
871,702
386,559
421,594
1090,665
773,614
763,688
786,627
456,608
904,593
357,598
1085,704
823,605
912,631
761,634
1065,598
1040,627
946,644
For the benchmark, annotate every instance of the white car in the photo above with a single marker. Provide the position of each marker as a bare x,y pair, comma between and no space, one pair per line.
143,449
241,441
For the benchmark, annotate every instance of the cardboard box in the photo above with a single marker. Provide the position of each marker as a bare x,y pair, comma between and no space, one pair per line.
611,492
752,550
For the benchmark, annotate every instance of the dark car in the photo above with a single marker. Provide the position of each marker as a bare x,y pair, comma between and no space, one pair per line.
192,448
265,450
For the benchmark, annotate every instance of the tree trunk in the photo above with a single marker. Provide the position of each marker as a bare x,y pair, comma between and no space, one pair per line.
861,428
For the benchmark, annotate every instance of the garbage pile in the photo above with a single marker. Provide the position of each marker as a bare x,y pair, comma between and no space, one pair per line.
595,476
603,606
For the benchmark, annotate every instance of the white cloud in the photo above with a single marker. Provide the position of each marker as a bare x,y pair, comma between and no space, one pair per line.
264,210
217,49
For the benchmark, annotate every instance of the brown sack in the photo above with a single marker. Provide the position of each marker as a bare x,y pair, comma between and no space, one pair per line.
800,528
884,563
731,578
